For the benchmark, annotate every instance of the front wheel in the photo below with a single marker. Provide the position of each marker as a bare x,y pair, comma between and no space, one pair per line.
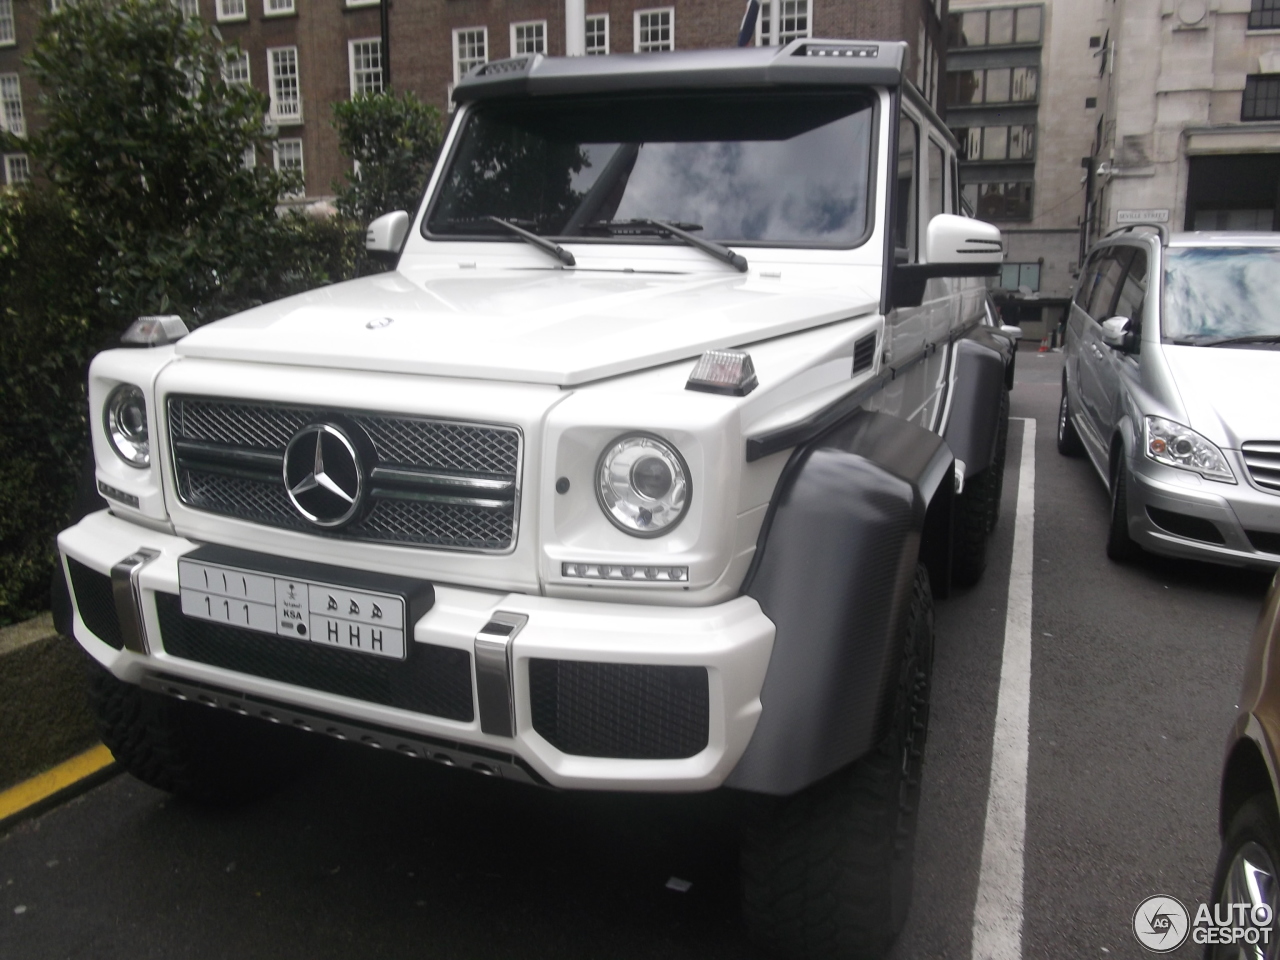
1069,444
1247,874
1120,546
827,873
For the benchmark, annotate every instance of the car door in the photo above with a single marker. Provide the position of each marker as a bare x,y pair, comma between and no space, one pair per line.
1094,361
1119,366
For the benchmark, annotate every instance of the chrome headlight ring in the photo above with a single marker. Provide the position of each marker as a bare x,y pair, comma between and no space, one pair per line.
643,485
124,420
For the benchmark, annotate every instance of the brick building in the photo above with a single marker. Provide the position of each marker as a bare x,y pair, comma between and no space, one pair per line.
306,55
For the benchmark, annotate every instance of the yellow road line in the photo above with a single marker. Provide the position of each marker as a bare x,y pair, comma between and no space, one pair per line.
30,792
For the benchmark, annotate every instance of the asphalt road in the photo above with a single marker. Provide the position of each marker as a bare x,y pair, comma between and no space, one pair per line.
1134,676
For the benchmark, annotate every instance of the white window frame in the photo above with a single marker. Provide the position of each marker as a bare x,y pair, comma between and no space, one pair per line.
515,29
10,94
650,11
249,159
10,162
8,29
458,32
284,8
276,115
227,16
302,165
189,8
363,3
599,18
351,64
763,23
243,60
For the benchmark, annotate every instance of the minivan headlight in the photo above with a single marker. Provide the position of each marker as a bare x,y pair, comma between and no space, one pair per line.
124,418
1174,445
643,485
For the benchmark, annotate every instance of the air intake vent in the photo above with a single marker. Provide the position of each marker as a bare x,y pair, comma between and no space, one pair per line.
864,353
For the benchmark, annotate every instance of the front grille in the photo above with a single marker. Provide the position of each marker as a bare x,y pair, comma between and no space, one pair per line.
96,602
1263,461
622,710
431,679
433,483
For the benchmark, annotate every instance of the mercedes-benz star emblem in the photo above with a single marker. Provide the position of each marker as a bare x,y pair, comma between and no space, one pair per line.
323,474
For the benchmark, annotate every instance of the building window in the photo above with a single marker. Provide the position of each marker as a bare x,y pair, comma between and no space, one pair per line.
277,8
235,68
1264,15
997,143
991,28
1015,276
996,85
793,21
655,30
999,201
528,37
365,60
232,10
470,49
249,159
11,105
363,3
288,159
286,93
17,168
189,8
597,34
7,36
1261,98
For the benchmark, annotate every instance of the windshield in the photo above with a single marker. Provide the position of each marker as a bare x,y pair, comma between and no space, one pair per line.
1212,293
757,168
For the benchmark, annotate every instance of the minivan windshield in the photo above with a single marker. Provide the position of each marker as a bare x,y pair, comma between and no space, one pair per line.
1217,294
766,168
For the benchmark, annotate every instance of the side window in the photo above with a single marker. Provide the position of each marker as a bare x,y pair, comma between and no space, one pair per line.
1088,280
1110,274
1133,295
905,218
937,181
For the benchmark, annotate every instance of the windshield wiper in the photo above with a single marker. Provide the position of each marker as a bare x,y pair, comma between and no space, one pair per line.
542,243
679,231
1203,340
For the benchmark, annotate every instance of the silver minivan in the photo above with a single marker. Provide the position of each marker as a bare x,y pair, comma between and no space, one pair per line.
1171,387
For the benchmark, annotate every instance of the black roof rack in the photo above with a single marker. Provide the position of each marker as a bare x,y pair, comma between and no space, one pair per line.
1159,228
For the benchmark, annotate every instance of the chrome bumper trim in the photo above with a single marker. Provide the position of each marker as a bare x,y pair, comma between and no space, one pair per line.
494,692
128,597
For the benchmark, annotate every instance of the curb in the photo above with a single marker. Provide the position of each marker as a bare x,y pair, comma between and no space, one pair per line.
44,712
53,787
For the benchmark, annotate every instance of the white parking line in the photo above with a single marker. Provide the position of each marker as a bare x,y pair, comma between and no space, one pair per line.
997,914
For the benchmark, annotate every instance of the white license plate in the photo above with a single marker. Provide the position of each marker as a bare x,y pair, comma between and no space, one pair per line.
357,620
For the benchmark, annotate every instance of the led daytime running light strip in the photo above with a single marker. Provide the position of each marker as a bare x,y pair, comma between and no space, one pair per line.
612,571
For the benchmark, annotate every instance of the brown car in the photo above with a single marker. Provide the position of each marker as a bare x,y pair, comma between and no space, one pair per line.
1249,865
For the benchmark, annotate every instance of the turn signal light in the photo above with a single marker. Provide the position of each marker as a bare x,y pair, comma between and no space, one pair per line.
730,372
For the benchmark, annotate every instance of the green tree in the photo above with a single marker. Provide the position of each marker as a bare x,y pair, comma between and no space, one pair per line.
394,140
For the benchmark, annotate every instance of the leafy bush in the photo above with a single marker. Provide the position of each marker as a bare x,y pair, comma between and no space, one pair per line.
394,139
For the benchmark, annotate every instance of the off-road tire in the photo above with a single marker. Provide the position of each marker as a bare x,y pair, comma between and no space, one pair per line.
1120,546
826,873
998,461
977,508
1069,444
1255,823
195,752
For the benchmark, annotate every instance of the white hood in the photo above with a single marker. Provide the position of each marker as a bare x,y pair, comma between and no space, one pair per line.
1229,392
536,326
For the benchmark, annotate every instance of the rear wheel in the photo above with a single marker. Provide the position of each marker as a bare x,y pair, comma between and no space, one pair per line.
193,751
1120,547
827,873
977,508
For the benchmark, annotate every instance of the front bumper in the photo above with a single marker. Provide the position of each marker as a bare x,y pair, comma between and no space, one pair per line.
613,657
1178,513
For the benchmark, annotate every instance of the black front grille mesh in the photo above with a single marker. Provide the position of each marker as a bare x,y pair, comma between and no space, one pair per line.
622,710
96,603
434,680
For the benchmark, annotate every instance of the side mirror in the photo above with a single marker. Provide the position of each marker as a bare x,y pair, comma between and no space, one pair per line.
1010,331
953,247
386,236
1117,335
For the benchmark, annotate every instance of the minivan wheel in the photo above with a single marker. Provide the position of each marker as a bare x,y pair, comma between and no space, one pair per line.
1120,546
1069,444
826,873
1247,873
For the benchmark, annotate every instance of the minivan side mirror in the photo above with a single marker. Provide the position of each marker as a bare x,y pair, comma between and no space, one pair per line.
386,236
1117,335
953,247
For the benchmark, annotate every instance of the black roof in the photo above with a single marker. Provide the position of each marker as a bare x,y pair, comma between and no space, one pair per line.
804,62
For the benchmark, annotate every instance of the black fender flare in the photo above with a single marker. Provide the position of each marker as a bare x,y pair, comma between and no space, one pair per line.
853,513
979,380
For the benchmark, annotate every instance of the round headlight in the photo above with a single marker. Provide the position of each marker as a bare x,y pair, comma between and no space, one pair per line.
643,485
125,420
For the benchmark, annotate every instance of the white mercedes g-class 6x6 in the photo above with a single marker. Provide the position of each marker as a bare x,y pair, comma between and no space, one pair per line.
638,472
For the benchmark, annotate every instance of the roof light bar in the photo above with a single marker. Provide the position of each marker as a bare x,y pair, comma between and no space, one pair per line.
730,372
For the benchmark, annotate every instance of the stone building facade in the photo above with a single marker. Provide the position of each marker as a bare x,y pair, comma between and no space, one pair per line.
305,55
